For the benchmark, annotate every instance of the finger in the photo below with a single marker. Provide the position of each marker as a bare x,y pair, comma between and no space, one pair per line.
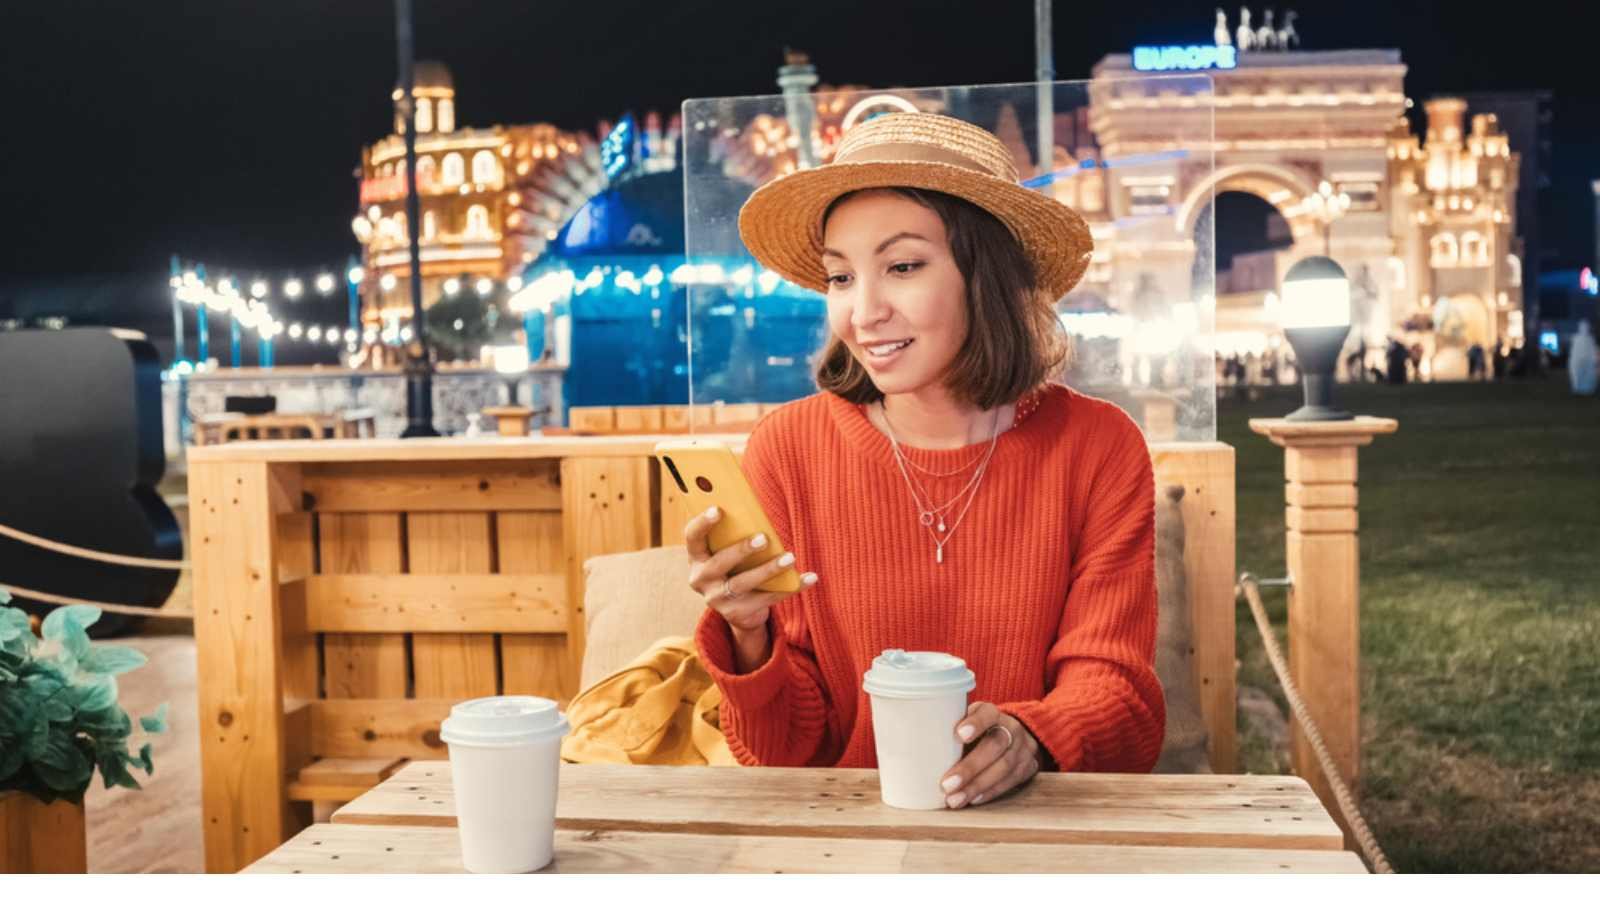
697,532
711,573
960,776
980,717
1007,772
974,774
746,605
746,582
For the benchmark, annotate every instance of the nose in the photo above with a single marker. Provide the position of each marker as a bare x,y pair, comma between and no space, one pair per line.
870,307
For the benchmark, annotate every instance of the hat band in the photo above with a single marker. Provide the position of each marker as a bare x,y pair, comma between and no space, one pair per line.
908,152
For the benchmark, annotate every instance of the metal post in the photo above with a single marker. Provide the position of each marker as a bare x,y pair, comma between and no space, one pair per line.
1046,75
354,295
204,339
234,338
177,314
419,361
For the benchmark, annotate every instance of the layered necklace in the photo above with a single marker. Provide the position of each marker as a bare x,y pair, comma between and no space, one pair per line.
931,515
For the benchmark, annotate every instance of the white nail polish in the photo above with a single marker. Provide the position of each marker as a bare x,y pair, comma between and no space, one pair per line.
951,783
713,513
808,579
786,560
758,541
965,733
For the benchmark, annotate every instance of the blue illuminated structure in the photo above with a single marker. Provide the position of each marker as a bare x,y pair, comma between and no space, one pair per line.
627,287
1185,58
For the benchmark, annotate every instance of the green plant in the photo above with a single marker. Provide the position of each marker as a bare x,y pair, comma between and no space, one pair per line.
59,716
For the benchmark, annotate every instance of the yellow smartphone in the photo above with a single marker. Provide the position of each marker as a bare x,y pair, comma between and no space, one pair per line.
707,474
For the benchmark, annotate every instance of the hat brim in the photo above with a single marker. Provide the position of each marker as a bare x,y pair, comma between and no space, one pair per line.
781,223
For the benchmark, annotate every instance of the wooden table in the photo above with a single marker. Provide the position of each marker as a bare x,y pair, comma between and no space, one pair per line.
636,819
221,428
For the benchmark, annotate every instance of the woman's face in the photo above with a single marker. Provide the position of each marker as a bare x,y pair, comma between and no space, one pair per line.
895,295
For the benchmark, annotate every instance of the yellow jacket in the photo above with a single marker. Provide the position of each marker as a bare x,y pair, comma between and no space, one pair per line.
659,711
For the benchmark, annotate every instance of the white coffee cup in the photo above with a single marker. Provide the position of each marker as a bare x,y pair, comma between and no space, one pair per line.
917,700
505,762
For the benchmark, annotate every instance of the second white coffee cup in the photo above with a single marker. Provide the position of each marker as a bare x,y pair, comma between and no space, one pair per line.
505,762
918,698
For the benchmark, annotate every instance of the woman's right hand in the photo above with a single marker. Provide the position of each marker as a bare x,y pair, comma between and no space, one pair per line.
735,597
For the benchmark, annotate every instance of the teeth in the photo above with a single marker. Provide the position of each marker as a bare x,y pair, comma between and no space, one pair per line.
887,349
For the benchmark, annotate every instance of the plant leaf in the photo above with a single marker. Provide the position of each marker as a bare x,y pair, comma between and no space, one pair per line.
155,723
65,620
112,660
96,694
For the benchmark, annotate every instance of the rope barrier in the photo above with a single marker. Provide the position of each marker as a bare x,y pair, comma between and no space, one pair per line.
1249,588
96,555
146,611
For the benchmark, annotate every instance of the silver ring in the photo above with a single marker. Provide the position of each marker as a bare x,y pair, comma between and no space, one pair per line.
727,590
1010,738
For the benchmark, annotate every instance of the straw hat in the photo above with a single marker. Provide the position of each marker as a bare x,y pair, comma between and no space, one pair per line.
781,223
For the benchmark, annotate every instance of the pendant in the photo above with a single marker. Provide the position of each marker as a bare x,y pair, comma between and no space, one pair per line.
941,524
927,519
940,555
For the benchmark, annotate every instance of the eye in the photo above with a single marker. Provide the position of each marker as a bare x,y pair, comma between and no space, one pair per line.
840,280
905,268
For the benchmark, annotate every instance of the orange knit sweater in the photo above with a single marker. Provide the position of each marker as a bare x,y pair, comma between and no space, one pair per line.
1047,589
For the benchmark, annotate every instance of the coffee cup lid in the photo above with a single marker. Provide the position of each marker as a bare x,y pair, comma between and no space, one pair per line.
912,675
503,720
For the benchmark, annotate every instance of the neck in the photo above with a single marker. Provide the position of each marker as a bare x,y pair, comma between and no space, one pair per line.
931,419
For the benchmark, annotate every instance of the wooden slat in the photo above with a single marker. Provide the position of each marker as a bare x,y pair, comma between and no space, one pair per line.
1321,465
1206,472
743,414
41,839
483,485
237,633
1313,496
434,603
301,678
379,728
639,419
368,772
608,506
452,666
536,664
1266,812
452,450
363,665
675,418
371,849
592,419
1315,521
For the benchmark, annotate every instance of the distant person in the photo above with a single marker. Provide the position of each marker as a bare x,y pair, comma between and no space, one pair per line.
1415,355
1581,361
1476,369
1398,358
1500,361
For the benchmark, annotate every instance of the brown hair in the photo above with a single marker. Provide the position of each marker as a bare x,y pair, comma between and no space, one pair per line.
1014,340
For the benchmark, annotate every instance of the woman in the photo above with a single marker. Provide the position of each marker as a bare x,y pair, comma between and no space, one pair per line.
939,493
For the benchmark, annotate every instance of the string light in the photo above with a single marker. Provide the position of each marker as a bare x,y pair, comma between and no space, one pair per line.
484,287
388,281
452,286
356,274
325,284
258,289
291,289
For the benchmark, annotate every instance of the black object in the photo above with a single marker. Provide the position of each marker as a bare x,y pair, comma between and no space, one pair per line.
250,406
419,357
80,457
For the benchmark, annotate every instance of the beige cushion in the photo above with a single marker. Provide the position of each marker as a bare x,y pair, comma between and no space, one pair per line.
632,600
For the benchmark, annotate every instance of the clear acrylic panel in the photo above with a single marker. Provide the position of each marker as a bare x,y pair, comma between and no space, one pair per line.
1133,154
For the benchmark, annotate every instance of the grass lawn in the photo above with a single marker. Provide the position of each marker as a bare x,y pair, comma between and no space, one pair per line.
1480,618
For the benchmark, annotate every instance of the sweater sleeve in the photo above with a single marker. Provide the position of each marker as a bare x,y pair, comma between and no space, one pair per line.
1103,709
778,715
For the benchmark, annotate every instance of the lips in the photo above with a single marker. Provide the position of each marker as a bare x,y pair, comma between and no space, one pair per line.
886,349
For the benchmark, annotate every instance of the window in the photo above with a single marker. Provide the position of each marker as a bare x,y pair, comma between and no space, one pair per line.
478,222
424,115
1514,267
1446,254
455,170
485,168
430,225
427,172
447,115
1474,250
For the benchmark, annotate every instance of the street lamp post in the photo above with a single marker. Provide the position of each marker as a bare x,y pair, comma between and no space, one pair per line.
1328,207
1315,311
419,362
177,311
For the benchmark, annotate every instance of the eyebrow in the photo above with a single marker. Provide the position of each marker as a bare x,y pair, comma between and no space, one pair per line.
883,246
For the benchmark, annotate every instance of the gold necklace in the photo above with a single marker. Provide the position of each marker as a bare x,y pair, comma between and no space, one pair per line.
933,519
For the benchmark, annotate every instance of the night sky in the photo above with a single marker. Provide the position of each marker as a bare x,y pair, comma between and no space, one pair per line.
228,130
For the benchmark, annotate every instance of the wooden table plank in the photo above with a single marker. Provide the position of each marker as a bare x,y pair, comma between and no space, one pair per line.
1268,812
380,849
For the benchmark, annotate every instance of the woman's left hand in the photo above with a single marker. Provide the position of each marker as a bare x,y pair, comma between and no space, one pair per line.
997,764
